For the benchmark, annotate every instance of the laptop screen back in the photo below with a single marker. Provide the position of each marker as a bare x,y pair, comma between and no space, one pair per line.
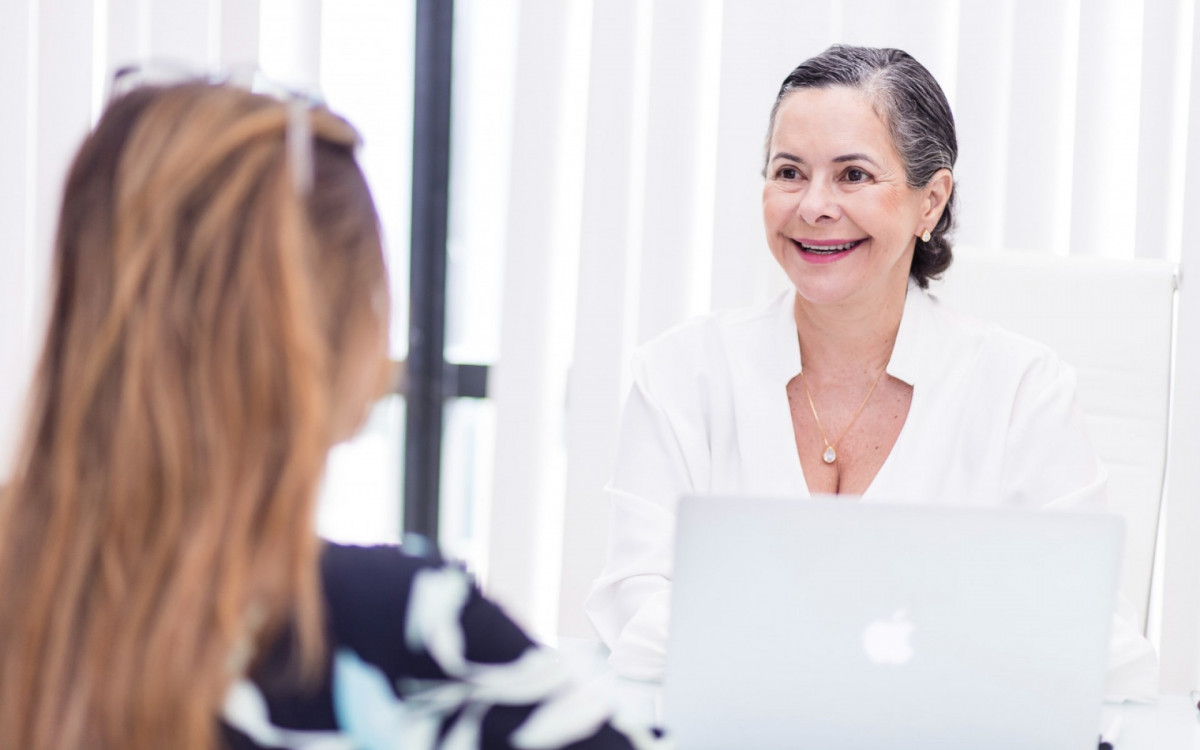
836,624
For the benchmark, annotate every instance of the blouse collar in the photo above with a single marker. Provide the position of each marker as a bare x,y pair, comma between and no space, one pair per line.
907,355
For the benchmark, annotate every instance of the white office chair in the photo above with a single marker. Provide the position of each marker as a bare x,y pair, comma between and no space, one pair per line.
1113,321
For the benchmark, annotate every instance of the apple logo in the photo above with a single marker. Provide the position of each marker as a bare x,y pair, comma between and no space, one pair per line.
887,641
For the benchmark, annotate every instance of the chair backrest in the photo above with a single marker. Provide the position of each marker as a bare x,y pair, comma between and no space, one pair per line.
1113,321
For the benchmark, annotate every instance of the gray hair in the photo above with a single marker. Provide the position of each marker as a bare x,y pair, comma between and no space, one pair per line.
914,108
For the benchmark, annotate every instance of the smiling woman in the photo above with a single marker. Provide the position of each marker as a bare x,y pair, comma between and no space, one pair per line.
843,221
854,382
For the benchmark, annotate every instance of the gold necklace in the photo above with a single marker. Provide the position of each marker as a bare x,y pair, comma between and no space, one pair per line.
830,455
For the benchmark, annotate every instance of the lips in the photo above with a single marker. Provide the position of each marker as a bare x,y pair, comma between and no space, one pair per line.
824,248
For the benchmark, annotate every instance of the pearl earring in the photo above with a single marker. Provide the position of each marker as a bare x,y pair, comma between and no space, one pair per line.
925,237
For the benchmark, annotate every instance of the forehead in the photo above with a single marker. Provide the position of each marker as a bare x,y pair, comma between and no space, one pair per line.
827,122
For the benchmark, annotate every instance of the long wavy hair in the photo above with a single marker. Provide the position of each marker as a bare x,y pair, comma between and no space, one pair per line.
208,322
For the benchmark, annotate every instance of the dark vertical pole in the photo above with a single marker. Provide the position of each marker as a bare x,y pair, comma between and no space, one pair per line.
430,201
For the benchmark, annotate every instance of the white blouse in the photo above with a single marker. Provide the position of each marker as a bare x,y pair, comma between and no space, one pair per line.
993,421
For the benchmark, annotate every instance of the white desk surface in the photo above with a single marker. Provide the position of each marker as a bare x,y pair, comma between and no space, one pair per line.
1172,723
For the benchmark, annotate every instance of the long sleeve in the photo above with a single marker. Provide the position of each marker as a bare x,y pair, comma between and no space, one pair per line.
657,461
1049,463
1048,458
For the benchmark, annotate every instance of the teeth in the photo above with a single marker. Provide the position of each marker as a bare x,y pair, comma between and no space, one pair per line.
828,248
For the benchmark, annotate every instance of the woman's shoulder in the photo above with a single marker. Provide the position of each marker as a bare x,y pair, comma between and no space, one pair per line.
378,576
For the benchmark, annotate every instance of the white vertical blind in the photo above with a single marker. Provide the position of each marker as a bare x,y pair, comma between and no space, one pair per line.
1162,128
529,382
290,41
238,33
182,30
609,265
676,214
17,127
981,112
1108,89
481,87
1180,653
1037,175
63,110
923,28
125,33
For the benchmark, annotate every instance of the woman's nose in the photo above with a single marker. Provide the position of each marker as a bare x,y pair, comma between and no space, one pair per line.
818,203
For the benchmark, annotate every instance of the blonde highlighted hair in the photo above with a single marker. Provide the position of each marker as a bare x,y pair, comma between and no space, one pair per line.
205,322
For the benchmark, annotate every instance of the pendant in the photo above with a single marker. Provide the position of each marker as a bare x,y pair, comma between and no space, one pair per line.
829,456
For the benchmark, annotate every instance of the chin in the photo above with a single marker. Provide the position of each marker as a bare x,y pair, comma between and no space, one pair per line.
832,285
823,291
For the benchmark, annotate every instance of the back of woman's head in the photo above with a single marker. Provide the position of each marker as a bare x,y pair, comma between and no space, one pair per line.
218,298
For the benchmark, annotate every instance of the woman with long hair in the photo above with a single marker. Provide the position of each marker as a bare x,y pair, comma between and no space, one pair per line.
218,322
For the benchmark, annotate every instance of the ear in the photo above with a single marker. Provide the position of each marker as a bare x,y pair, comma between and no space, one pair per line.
937,193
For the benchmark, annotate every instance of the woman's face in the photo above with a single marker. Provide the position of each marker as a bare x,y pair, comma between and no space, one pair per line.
839,215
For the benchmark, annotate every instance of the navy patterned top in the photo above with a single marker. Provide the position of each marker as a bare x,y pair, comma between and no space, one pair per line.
418,659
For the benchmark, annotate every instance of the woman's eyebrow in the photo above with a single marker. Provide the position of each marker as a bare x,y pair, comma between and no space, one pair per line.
855,157
784,156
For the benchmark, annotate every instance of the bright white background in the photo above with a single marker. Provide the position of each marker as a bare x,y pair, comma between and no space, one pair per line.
606,186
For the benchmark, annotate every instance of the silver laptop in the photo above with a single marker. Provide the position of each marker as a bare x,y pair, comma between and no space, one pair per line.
830,623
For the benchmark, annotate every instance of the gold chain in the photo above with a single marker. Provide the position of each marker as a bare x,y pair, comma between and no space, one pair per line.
830,454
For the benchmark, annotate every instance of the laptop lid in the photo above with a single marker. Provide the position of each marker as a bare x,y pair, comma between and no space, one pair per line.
835,624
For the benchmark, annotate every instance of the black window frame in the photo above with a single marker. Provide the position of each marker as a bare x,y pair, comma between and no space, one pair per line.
429,381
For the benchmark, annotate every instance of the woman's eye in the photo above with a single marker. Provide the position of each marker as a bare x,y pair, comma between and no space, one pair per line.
787,173
854,174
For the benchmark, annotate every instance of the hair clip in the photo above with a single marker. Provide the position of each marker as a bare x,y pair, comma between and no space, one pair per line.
299,102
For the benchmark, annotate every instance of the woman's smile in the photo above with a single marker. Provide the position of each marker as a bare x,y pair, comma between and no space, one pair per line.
826,251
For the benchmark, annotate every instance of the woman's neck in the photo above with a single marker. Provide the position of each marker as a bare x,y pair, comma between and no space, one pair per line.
848,339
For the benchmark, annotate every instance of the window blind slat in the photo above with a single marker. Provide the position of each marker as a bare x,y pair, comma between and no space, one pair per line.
127,34
919,27
528,381
239,29
1179,655
1104,175
17,144
1037,192
182,30
981,113
1157,127
63,115
608,254
676,230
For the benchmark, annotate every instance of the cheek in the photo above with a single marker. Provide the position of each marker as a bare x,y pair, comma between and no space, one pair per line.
776,208
901,203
